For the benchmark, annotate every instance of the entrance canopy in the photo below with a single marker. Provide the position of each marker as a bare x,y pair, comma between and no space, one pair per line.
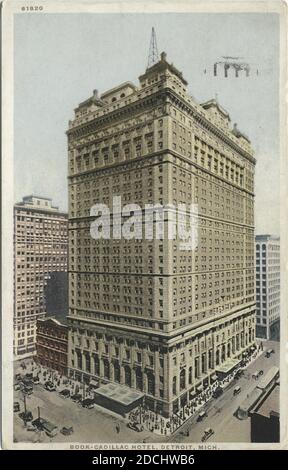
118,398
226,368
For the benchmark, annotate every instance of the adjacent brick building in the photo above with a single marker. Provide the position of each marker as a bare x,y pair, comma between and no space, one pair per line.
52,344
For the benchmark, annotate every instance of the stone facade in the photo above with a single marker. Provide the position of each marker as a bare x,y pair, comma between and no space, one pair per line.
268,287
40,248
144,312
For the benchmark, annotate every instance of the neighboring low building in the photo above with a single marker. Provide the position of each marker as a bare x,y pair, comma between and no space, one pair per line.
52,344
268,287
265,418
40,252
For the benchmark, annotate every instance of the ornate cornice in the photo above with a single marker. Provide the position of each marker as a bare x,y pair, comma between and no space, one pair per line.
149,103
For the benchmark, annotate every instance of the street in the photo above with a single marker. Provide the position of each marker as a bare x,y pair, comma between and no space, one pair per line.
90,425
101,425
226,426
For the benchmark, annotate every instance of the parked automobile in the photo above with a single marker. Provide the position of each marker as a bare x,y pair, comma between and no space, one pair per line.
36,380
207,433
17,386
217,392
202,415
28,386
236,390
88,403
26,416
67,431
28,390
135,426
29,375
38,423
255,375
269,352
18,377
50,429
77,397
50,386
65,393
16,406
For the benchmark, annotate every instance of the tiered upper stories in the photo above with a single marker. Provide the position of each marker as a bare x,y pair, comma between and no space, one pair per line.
155,144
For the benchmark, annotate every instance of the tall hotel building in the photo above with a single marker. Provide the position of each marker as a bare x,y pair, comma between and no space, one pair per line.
267,287
144,313
40,249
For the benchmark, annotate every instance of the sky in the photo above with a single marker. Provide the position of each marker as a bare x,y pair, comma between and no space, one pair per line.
60,58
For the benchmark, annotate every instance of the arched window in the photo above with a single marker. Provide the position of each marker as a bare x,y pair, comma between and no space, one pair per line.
116,372
139,379
182,379
151,384
106,370
127,376
96,365
190,375
174,385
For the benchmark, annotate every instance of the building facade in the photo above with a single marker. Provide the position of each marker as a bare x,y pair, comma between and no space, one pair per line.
267,287
52,344
144,312
40,249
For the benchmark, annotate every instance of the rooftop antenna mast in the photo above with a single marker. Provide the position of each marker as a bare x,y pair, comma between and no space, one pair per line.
153,51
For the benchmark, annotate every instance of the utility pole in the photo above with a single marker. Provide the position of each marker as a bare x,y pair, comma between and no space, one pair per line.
153,57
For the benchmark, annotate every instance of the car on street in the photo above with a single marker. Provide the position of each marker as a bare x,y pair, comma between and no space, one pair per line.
256,375
18,377
16,406
38,423
236,390
76,397
36,380
50,386
202,415
17,386
29,375
67,430
269,352
217,392
44,425
207,433
65,393
88,403
135,426
50,429
26,416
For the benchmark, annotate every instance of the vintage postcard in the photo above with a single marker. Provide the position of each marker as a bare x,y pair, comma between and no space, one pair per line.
144,225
